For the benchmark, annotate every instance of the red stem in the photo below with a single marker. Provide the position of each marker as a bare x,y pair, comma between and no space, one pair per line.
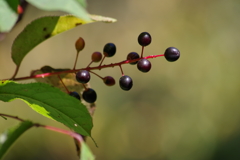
96,74
70,133
89,68
121,70
102,61
67,132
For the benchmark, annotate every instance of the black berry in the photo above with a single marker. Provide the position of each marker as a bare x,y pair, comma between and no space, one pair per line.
132,56
126,83
109,50
75,94
83,76
172,54
96,56
109,81
89,95
144,39
144,65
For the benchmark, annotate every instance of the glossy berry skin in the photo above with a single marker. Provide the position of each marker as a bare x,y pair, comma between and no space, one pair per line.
96,56
144,39
109,50
75,94
172,54
109,81
126,83
144,65
83,76
132,56
89,95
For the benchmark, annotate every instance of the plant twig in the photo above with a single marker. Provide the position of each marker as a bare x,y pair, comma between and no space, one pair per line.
14,117
88,68
63,131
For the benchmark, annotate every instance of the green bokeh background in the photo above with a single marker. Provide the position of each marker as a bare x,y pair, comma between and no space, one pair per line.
183,110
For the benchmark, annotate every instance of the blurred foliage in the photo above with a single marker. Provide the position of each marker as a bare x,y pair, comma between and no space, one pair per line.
185,110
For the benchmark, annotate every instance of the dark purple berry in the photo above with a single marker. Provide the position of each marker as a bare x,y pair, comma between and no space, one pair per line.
144,65
109,81
172,54
125,83
75,94
144,39
96,56
109,50
89,95
132,56
83,76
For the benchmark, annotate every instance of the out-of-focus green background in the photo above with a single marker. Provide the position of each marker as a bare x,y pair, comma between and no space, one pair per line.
185,110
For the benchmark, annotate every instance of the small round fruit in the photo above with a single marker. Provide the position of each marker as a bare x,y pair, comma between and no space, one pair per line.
109,81
96,56
172,54
144,39
75,94
80,44
19,9
144,65
132,56
109,50
83,76
125,83
89,95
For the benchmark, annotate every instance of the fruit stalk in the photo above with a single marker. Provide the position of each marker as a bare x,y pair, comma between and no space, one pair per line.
88,68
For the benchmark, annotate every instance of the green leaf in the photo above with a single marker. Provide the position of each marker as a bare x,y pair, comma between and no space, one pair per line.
43,28
82,2
50,102
75,7
11,135
3,117
86,153
69,81
8,14
40,30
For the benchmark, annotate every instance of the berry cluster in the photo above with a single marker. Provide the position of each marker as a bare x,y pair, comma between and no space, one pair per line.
83,76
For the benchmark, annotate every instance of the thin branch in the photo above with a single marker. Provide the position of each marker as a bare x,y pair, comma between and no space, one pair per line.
63,131
102,61
89,64
88,68
142,51
63,84
96,74
121,70
75,63
14,117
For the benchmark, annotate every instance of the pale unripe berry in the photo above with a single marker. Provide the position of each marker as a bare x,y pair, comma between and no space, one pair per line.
96,56
80,44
